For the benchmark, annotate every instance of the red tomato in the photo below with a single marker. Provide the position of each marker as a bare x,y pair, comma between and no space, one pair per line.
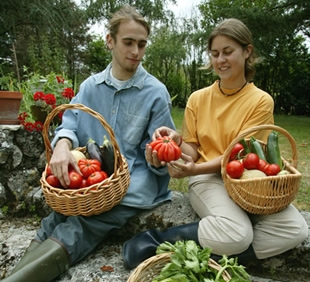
238,148
104,174
96,177
251,161
234,169
167,149
75,180
83,183
261,165
53,181
48,170
88,166
272,169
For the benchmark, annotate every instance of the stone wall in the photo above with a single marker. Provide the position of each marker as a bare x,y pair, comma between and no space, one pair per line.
22,160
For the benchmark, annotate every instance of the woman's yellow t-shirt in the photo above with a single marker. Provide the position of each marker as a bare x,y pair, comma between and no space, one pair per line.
212,120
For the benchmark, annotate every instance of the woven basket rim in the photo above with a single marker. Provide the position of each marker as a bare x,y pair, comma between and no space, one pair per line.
257,128
93,199
45,131
140,270
265,195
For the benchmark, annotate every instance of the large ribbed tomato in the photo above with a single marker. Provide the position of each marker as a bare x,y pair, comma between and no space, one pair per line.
167,149
88,166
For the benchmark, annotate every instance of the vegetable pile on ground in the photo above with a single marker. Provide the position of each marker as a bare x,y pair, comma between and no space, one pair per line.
167,149
190,263
95,166
252,160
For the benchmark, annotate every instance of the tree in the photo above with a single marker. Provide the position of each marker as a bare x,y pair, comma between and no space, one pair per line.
280,48
97,56
51,30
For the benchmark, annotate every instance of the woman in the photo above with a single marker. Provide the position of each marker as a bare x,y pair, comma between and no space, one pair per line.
213,117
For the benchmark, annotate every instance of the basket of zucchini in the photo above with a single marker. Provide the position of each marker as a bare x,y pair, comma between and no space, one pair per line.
93,199
270,186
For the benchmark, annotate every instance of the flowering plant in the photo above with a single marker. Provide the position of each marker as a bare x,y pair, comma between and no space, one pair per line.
41,94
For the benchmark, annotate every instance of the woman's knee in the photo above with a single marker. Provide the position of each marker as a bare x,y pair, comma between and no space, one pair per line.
224,236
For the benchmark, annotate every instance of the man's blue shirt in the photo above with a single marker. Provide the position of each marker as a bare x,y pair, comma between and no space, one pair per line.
133,112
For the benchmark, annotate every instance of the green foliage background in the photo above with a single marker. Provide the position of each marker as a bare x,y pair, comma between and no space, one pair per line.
54,36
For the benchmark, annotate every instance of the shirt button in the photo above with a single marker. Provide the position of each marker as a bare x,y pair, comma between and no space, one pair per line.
113,112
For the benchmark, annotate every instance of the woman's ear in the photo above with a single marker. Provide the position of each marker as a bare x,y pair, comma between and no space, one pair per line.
248,50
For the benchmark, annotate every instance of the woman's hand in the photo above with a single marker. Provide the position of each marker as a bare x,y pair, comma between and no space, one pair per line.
178,169
166,131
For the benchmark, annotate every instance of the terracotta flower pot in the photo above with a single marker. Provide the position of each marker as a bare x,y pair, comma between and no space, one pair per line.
9,106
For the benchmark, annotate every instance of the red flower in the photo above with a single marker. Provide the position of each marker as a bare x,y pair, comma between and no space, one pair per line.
22,116
29,126
50,99
38,96
60,115
68,93
60,79
38,126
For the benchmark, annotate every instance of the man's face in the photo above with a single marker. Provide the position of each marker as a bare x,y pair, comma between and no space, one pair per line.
128,49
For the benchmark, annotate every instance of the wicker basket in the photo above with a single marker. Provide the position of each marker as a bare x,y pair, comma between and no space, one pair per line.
263,195
150,268
90,200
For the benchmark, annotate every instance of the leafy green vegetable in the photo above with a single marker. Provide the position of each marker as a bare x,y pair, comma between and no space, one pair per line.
190,263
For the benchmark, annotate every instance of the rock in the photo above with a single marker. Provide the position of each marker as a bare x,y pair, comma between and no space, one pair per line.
16,235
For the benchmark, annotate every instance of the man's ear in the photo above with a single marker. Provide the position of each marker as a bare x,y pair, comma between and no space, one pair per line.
109,41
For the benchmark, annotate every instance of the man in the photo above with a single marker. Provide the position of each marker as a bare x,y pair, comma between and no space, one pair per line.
134,104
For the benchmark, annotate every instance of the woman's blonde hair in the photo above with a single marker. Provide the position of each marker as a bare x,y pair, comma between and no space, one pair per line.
126,12
239,32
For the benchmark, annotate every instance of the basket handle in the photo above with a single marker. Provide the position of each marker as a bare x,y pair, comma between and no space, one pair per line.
259,128
48,148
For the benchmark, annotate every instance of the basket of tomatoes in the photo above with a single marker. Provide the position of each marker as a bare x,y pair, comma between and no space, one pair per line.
255,174
104,177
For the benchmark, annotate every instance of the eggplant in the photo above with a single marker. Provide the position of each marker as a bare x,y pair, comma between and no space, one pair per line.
107,156
93,150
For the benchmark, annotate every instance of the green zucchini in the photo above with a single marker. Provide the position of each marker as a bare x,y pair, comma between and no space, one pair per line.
257,148
246,149
273,150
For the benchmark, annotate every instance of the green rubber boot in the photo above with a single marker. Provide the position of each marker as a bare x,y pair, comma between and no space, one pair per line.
42,264
24,260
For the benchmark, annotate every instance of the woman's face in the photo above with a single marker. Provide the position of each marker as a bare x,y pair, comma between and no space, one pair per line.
228,60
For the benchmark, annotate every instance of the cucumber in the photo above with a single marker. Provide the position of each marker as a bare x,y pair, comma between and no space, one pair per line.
257,148
273,150
246,149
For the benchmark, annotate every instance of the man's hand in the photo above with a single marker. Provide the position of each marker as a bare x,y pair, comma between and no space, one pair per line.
61,159
151,157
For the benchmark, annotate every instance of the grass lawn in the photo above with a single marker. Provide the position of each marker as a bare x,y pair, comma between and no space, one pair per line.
298,127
